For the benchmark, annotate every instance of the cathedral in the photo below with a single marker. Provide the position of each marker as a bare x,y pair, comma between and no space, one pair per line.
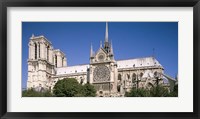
110,77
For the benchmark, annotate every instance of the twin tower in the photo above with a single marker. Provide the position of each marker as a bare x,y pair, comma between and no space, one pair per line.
42,61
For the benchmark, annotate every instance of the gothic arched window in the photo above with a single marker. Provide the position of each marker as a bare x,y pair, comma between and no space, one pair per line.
39,49
141,74
128,76
133,77
62,61
81,82
119,77
47,53
35,51
56,60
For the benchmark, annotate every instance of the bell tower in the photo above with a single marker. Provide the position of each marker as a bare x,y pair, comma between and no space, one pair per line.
40,63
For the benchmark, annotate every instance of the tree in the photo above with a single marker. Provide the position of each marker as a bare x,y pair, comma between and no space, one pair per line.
159,91
88,90
69,87
140,92
174,93
156,91
33,93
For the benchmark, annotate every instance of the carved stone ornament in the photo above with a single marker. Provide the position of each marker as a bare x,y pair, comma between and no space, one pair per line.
101,57
101,74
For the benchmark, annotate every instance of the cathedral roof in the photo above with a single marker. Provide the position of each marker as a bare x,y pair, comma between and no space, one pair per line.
72,69
129,63
138,62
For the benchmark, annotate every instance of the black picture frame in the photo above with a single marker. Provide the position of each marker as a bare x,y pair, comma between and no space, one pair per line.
99,3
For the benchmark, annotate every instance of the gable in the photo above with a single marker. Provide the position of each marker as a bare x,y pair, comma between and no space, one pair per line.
100,51
100,55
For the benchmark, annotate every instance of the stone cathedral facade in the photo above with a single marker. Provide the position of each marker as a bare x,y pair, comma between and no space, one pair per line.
110,77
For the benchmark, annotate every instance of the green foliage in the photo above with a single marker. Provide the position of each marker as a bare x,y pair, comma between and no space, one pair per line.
71,88
157,91
32,93
141,92
67,88
88,90
174,93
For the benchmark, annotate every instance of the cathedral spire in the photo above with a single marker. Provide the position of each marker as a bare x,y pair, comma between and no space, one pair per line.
100,44
106,43
106,32
91,51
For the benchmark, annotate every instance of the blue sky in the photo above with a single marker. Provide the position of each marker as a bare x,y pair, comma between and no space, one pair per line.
129,39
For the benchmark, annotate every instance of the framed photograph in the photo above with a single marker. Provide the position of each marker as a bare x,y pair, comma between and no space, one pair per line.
86,59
